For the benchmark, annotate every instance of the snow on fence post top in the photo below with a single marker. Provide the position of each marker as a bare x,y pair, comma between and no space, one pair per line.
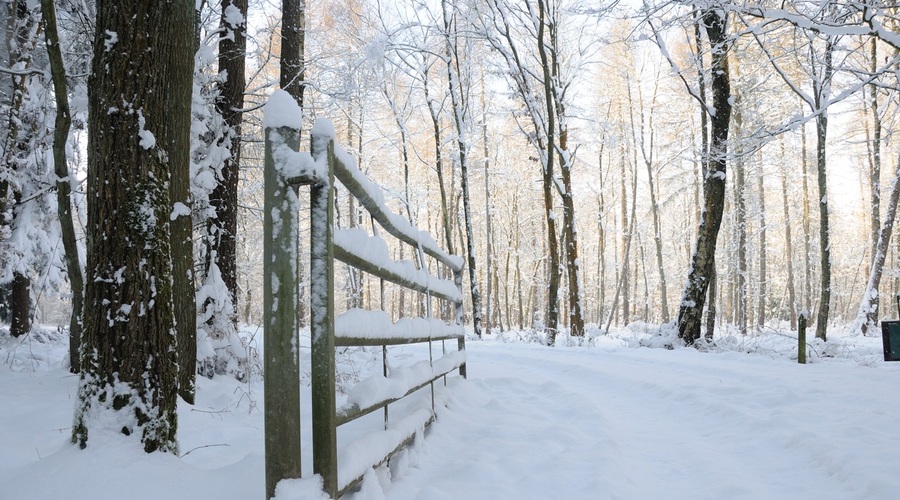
324,128
281,110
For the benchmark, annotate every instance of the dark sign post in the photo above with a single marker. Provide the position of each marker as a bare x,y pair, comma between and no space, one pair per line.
890,335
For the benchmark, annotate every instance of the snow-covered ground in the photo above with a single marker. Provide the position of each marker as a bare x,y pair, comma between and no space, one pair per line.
622,417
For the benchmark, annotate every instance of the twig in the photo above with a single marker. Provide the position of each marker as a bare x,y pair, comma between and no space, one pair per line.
199,447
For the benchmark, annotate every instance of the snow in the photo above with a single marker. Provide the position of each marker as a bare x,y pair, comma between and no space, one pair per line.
147,139
612,418
356,241
362,323
111,40
281,110
232,16
372,198
179,209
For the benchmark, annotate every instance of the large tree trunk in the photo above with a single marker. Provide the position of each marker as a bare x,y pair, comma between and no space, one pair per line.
694,295
129,369
62,125
176,140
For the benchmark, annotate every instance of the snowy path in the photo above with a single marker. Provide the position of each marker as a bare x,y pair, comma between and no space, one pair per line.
589,423
531,423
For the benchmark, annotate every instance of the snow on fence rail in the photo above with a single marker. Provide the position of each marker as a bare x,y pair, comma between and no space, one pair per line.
285,169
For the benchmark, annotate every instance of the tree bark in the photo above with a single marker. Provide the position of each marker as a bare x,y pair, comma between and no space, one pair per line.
64,182
807,237
129,364
457,100
821,89
222,229
740,202
694,295
22,37
792,297
761,308
176,140
292,76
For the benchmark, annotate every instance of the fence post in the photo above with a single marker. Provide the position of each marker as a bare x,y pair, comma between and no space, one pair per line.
322,315
801,337
461,343
281,393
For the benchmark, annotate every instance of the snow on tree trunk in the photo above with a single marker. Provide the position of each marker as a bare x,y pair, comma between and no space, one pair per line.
222,229
128,381
694,295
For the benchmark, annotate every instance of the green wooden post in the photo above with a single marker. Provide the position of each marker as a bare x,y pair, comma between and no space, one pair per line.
801,337
461,343
281,393
322,323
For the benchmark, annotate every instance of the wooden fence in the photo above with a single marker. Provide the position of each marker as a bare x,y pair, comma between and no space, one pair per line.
285,170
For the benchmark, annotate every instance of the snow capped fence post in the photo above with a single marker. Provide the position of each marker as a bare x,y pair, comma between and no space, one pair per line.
322,310
280,298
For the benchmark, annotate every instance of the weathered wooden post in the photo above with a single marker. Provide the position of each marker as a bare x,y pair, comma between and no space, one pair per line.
461,343
322,310
801,337
281,394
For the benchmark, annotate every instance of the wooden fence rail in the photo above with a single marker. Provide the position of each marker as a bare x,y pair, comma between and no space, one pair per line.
285,170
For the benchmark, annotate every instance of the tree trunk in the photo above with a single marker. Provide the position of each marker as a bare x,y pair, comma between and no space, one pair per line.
821,93
868,308
292,77
20,305
740,199
807,237
457,100
657,239
694,295
711,304
761,308
64,182
293,43
21,40
129,365
224,198
625,243
554,270
792,298
176,140
875,177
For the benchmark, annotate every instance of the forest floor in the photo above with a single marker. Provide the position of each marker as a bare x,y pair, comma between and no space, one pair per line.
625,415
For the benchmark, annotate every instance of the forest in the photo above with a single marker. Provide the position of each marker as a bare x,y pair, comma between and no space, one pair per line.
712,168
